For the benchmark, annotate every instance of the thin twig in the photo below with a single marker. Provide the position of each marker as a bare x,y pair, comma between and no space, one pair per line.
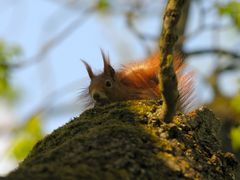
213,51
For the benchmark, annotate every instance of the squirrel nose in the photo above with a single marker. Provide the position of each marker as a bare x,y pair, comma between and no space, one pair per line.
96,96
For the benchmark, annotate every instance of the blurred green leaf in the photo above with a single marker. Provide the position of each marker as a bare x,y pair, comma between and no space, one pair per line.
235,103
235,134
233,10
34,126
103,5
30,133
7,53
22,146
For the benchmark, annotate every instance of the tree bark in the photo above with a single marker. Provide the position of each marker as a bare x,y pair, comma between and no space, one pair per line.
168,84
128,140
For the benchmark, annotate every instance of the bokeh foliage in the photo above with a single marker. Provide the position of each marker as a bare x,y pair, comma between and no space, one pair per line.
232,9
7,53
235,131
26,137
102,5
235,137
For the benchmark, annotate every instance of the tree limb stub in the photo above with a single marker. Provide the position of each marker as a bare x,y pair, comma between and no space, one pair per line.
167,77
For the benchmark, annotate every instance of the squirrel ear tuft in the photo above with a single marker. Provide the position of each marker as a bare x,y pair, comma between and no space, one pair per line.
108,69
89,69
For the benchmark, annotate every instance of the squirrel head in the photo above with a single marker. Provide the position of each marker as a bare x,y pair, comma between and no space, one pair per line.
104,87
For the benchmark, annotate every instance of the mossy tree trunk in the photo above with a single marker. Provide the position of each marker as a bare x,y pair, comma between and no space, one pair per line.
129,141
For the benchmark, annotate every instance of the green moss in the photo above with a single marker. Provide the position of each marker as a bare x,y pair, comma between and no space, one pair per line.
129,141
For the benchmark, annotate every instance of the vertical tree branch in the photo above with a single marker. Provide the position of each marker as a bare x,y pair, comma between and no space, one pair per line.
167,77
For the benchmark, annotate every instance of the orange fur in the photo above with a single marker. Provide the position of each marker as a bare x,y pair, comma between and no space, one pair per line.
136,81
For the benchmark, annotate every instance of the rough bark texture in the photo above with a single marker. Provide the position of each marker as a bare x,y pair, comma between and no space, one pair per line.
128,141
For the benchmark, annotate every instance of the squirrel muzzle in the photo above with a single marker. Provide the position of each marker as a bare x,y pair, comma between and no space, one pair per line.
99,97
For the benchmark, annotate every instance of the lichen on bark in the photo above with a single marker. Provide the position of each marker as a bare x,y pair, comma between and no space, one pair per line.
128,140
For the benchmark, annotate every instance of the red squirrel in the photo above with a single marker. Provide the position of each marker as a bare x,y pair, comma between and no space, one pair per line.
135,81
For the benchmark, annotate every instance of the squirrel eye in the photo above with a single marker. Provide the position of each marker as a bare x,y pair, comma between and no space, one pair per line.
108,83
